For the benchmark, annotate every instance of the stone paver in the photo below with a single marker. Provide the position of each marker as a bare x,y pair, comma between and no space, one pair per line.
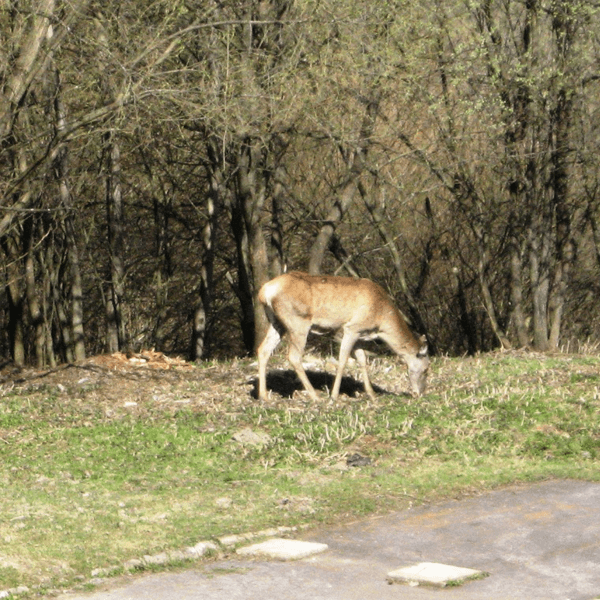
433,574
283,549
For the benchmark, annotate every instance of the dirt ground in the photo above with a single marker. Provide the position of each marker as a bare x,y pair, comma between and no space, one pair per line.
147,379
150,380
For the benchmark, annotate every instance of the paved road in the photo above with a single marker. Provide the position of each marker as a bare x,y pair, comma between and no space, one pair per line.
537,542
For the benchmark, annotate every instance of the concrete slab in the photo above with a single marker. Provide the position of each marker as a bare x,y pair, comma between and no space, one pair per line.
283,549
437,574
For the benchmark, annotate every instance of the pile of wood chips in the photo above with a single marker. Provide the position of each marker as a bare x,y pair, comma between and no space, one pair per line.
146,358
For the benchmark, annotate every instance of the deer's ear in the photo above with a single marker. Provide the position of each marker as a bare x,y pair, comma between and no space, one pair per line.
423,349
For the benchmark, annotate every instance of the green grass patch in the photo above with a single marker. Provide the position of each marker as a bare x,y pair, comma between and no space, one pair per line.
91,480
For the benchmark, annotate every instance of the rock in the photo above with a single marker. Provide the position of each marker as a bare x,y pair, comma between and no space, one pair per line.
156,559
283,549
133,564
356,460
223,502
201,548
248,437
228,541
22,589
178,556
435,574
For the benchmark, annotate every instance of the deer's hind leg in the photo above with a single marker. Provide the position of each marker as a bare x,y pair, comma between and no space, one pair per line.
264,352
297,334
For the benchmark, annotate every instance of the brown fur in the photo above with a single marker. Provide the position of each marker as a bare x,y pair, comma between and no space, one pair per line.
359,309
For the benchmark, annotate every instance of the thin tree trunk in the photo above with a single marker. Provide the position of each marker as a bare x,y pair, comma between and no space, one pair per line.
202,313
76,297
242,287
540,288
76,287
516,295
29,62
15,298
565,244
341,204
58,299
467,325
277,257
115,335
486,293
49,275
162,270
517,310
251,199
341,255
595,233
539,234
18,296
35,313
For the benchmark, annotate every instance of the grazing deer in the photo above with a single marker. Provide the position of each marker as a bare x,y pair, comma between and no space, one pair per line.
358,309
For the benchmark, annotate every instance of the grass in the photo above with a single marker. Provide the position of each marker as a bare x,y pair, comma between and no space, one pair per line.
93,474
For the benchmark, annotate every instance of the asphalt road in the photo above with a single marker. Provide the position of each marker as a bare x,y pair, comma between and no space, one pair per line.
537,542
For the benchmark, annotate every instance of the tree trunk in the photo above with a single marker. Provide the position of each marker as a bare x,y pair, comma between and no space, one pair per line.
47,268
162,270
595,233
341,204
486,293
278,265
255,266
516,294
59,281
76,295
467,325
202,313
29,61
540,285
564,27
242,287
77,348
15,299
115,334
35,313
565,245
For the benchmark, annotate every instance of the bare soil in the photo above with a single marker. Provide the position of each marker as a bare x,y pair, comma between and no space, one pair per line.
138,381
152,380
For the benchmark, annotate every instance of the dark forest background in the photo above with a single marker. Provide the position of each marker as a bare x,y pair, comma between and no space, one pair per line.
161,159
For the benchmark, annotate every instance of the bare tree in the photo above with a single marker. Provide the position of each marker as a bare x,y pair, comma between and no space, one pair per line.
526,221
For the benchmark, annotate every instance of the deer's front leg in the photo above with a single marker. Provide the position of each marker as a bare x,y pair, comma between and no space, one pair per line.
361,357
346,346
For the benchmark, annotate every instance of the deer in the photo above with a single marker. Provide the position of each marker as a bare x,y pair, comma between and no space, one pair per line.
355,309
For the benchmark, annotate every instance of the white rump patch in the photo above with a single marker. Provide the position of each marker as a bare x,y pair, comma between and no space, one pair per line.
270,290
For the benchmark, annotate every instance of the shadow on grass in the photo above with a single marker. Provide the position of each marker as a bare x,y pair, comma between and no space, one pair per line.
285,383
